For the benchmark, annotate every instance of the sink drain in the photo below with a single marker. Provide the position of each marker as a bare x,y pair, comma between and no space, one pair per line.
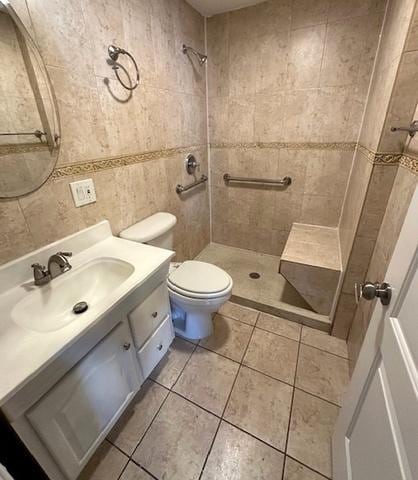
255,275
80,307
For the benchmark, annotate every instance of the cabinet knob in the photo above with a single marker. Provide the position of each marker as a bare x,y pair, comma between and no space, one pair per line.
154,314
160,346
126,345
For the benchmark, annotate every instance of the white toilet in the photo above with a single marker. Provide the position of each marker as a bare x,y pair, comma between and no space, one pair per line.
196,289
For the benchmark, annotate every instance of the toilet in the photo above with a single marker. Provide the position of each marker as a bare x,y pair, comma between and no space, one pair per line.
196,289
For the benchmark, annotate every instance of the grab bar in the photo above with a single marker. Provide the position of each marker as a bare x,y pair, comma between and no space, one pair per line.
284,182
185,188
36,133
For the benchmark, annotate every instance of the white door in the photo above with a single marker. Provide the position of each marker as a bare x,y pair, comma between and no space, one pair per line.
76,414
376,435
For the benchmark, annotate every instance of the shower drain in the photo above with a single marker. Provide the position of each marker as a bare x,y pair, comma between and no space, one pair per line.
255,275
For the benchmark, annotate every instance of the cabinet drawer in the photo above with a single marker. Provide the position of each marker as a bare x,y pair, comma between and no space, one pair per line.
149,314
156,347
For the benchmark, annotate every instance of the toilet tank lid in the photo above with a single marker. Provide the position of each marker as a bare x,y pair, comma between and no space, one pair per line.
150,228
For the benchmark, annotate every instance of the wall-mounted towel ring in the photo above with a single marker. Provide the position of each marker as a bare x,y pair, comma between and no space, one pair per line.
114,53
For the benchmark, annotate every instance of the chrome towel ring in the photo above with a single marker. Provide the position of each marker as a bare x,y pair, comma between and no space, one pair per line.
114,53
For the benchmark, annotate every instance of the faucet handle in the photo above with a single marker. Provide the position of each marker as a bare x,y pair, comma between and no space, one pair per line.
38,266
40,274
65,254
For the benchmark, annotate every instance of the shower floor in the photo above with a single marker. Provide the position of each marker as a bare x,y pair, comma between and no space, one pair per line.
270,292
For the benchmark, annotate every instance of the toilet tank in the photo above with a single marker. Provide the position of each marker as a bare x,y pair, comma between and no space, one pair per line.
156,230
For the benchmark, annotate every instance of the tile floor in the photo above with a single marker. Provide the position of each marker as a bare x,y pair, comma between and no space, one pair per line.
271,292
256,401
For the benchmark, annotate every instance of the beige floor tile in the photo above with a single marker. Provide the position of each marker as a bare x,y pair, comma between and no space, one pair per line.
322,374
176,445
230,337
236,455
239,312
311,428
132,425
106,464
273,355
260,405
207,380
133,472
168,370
279,325
295,471
323,341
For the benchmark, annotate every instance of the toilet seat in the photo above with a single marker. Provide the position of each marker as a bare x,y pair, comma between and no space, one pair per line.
202,280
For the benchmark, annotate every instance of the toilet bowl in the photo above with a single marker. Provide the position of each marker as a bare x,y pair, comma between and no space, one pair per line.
197,289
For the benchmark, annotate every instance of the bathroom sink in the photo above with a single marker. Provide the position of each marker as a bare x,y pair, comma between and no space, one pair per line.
50,307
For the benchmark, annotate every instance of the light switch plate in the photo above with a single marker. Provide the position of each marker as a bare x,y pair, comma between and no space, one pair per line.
83,192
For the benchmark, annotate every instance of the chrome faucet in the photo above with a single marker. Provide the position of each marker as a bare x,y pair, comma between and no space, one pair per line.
57,265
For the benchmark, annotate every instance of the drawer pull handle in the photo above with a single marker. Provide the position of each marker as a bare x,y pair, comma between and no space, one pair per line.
160,346
154,314
126,346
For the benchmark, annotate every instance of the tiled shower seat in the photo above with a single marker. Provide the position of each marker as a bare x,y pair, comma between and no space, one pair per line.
311,262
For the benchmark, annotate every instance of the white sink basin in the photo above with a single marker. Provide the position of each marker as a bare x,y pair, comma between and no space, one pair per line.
50,307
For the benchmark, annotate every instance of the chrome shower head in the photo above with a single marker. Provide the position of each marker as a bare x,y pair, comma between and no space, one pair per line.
202,59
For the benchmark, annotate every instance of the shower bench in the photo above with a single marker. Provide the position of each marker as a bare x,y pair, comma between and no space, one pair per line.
311,262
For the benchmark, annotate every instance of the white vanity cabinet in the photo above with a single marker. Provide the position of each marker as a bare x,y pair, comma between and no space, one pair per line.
64,387
77,413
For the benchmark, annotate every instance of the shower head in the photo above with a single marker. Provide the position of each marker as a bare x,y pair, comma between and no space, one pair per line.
202,59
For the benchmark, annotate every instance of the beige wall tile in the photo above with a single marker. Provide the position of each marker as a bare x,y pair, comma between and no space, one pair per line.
397,206
346,44
402,104
305,57
306,13
15,236
100,119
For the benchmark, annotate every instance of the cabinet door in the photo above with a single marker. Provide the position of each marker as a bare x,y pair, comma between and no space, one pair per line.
76,414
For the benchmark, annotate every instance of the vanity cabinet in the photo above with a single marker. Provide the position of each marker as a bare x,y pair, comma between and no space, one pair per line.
77,413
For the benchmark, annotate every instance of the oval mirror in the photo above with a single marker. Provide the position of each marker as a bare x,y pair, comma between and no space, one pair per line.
29,122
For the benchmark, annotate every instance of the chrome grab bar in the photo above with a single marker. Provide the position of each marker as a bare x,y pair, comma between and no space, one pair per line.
185,188
284,182
36,133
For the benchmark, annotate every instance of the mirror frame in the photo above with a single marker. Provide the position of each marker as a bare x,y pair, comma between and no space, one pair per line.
57,133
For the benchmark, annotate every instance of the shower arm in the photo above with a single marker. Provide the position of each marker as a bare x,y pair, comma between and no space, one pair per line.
200,56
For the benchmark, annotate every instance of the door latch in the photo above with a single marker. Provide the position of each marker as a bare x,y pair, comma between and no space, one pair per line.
370,291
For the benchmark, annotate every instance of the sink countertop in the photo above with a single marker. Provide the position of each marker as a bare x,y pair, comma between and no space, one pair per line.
25,353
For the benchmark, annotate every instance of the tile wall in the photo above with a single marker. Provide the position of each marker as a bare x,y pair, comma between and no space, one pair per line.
392,102
100,120
287,86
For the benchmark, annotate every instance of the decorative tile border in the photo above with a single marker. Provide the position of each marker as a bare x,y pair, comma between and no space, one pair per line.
380,158
288,145
377,158
118,161
16,148
410,162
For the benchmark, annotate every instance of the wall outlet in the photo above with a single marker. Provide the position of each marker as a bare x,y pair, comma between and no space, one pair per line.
83,192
